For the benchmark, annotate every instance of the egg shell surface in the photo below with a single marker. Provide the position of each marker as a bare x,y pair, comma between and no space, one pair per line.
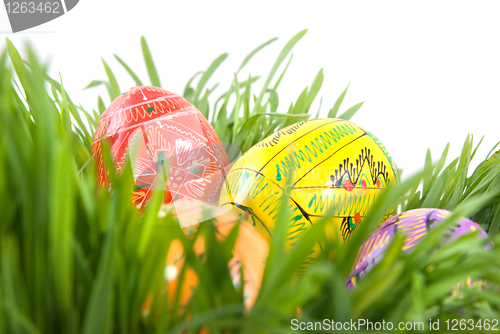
337,169
171,146
414,224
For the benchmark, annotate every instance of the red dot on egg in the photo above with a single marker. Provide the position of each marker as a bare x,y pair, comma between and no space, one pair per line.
378,183
363,184
247,214
357,217
348,185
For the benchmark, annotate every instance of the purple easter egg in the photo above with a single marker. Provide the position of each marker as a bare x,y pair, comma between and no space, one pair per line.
414,224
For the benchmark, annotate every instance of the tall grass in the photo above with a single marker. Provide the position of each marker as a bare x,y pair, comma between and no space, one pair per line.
239,115
77,259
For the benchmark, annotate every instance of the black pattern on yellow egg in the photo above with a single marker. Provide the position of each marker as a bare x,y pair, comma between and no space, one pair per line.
335,166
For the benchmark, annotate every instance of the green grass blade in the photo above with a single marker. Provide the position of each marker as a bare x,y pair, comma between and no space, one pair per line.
435,192
237,106
101,105
319,108
228,93
21,70
115,89
276,85
260,47
441,162
333,112
94,83
477,146
284,52
428,179
461,175
491,151
129,71
148,59
248,88
99,308
62,213
313,92
273,100
351,111
206,76
188,90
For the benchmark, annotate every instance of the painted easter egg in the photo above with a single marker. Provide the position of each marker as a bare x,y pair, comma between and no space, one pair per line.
249,253
414,224
170,144
337,169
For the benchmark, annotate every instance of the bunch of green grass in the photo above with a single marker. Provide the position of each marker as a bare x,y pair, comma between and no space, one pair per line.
252,120
74,259
446,188
238,117
78,259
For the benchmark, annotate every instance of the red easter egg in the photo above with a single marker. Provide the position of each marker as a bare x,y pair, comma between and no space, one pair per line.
170,143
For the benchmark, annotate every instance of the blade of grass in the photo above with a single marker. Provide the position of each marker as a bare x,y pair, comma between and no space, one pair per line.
115,89
313,92
148,59
129,71
333,112
276,85
284,52
206,75
351,111
257,49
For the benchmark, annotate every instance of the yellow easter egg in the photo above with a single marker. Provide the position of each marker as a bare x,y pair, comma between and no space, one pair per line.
335,166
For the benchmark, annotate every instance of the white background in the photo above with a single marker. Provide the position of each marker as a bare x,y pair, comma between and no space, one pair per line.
428,71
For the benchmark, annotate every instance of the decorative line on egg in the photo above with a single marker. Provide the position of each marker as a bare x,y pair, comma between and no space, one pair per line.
144,96
167,126
164,104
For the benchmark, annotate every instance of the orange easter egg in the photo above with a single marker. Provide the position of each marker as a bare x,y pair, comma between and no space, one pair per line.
249,253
